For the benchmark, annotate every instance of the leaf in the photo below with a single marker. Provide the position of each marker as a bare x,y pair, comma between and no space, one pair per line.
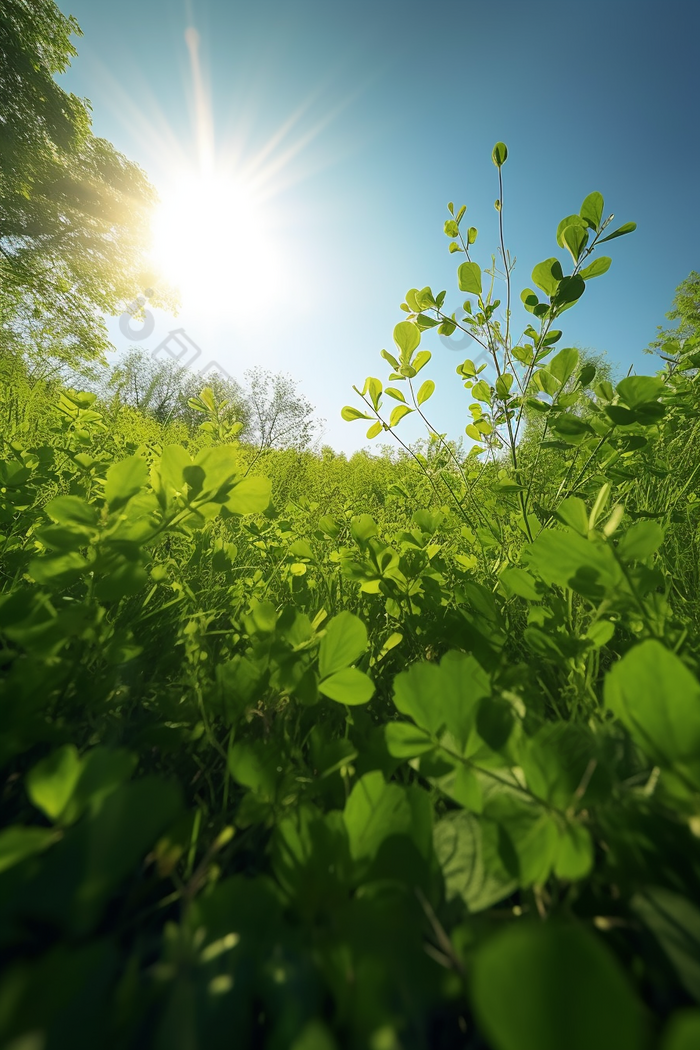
568,560
392,391
683,1031
467,850
596,268
469,278
17,843
444,696
563,989
638,390
425,391
499,154
503,385
547,275
592,210
390,358
51,782
348,686
398,413
570,220
628,227
407,338
640,540
344,642
349,413
249,496
657,698
70,510
520,582
575,853
125,479
421,359
564,364
569,290
375,429
373,812
482,391
675,922
404,740
575,239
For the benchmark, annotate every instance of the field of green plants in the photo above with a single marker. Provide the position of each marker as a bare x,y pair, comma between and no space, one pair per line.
400,752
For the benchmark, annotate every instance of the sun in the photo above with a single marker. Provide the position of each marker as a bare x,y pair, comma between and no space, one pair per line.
213,242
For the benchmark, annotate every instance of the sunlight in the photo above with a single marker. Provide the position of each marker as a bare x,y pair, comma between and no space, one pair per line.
212,242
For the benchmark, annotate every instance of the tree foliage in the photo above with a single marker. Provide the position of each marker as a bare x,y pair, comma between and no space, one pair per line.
75,213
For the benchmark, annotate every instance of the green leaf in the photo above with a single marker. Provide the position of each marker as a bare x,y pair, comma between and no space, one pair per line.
564,364
375,429
125,479
568,560
348,686
572,512
683,1031
657,698
407,338
675,922
169,474
562,987
70,510
390,358
469,278
344,642
628,227
638,390
444,696
421,359
640,540
52,781
349,413
575,853
392,391
596,268
547,275
569,290
404,740
520,582
592,210
467,849
544,380
503,385
425,391
499,154
570,220
575,239
398,413
249,496
373,812
17,843
482,392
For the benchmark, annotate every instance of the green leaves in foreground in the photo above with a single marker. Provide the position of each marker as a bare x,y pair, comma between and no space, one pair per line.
658,700
344,642
554,987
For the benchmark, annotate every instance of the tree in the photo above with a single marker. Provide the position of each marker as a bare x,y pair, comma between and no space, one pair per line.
74,212
162,389
686,311
278,416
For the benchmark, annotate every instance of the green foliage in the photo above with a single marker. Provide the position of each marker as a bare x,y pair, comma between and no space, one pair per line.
395,751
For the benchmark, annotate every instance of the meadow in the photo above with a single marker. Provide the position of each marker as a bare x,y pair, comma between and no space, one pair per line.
399,751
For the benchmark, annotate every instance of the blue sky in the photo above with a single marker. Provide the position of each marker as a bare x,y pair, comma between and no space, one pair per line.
373,116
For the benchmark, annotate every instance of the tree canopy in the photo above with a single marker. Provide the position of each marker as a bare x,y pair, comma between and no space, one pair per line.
74,216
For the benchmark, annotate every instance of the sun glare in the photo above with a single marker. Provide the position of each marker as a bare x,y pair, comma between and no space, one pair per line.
211,243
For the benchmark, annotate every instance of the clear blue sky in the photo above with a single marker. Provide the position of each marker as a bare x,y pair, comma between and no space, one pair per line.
397,106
